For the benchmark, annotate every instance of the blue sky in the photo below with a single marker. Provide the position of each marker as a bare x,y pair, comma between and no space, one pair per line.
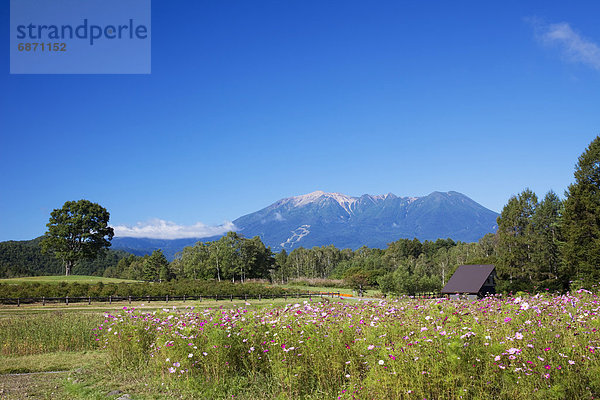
250,102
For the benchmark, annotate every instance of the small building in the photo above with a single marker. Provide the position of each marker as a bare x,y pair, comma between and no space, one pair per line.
474,281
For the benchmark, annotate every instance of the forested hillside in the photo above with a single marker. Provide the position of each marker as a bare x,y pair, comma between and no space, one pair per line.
25,258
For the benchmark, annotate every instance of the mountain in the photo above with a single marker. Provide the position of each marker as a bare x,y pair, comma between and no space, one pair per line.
321,218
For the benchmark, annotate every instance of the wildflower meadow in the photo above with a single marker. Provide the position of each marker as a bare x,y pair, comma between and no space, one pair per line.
543,346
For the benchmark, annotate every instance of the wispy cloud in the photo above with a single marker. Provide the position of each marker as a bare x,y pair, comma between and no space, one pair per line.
573,46
161,229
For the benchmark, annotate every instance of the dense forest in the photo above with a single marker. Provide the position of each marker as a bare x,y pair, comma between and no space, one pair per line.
540,244
25,258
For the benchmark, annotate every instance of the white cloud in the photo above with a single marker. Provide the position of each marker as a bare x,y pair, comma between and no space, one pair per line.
161,229
574,47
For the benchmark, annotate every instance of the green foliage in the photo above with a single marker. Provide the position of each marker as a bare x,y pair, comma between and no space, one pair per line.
79,230
548,238
516,241
25,258
529,236
186,287
156,267
232,257
581,222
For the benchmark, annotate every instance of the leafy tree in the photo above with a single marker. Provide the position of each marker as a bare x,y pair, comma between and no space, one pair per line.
156,267
193,262
548,235
516,241
79,230
223,257
581,221
256,259
279,272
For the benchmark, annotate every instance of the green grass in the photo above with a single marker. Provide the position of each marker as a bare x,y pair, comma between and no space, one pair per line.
67,279
542,347
48,332
97,309
41,339
332,349
58,361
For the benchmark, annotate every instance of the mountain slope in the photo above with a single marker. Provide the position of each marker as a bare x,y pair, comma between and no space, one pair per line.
25,258
321,218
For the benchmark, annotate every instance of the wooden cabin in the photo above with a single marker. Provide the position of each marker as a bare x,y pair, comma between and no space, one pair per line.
474,281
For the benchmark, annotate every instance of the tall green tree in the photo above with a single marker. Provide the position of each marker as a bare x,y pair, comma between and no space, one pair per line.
224,257
516,241
256,259
279,270
548,235
193,262
77,231
581,219
156,267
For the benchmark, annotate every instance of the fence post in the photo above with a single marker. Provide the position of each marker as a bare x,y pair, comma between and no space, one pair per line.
245,297
67,300
129,299
148,299
259,297
167,298
43,300
184,298
216,297
230,297
18,302
200,298
89,300
109,299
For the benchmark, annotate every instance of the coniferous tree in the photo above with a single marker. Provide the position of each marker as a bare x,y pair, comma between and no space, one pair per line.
581,220
155,266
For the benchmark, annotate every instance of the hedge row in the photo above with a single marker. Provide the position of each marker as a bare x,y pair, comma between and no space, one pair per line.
172,288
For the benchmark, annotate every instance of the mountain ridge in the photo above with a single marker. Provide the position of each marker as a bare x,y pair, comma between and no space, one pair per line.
322,218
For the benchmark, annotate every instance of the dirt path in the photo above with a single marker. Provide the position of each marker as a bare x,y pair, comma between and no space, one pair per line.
33,385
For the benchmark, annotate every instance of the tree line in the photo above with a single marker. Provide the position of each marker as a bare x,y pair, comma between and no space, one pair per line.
141,289
540,244
554,243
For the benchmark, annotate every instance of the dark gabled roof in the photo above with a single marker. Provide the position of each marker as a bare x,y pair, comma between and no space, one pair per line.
468,279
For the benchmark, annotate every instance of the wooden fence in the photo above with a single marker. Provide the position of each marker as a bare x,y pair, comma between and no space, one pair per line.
110,299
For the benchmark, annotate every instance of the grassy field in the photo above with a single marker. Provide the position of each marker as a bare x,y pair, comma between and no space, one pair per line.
67,279
49,352
322,289
540,347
